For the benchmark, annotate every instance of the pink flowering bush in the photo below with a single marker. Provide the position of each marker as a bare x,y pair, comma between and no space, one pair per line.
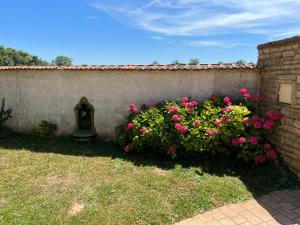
190,127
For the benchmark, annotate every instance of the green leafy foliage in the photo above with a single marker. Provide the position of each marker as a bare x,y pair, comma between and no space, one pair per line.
194,62
12,57
216,125
176,62
155,63
62,61
44,129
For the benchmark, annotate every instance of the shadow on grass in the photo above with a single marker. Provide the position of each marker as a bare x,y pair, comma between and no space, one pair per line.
258,179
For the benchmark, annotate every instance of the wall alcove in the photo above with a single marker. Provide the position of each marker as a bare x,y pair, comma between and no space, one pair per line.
84,121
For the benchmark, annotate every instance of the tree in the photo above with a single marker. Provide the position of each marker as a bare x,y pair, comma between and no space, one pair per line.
12,57
176,62
239,62
155,63
194,61
62,61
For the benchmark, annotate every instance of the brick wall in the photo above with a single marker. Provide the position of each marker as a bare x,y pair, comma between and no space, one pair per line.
279,63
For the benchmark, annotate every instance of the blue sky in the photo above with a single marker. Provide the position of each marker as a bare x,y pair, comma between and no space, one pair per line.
142,31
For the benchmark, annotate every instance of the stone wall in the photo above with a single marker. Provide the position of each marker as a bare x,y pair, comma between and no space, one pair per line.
279,63
52,94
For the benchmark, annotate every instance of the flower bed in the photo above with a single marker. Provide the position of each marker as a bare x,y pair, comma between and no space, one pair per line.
190,127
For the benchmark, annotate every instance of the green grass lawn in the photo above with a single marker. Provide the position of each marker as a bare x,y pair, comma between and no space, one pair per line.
61,182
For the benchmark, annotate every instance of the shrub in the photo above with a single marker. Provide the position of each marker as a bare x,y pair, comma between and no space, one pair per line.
215,125
5,114
44,129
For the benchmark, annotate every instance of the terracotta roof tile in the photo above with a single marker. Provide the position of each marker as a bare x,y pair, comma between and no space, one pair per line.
134,67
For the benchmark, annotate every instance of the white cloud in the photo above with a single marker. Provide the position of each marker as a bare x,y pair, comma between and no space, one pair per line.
158,38
285,33
205,43
204,18
215,43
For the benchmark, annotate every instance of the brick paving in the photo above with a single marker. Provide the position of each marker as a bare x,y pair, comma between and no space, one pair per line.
279,207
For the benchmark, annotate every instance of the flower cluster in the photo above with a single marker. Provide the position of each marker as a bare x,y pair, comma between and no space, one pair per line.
133,109
177,118
190,126
270,154
238,141
264,122
247,96
211,132
181,128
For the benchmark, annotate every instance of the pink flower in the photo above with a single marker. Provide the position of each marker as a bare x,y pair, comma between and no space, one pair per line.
191,110
184,104
257,125
131,106
271,154
176,118
197,123
260,159
136,111
238,141
227,101
213,97
211,131
253,140
267,146
274,116
256,97
226,109
218,122
224,118
171,149
246,96
256,119
143,130
280,116
269,124
130,126
193,103
243,91
247,121
174,109
126,148
181,128
185,99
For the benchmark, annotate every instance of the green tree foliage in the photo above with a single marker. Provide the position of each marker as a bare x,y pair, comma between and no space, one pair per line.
12,57
194,61
155,63
240,62
176,62
62,61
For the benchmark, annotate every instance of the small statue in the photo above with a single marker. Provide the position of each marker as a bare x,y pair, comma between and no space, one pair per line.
84,127
83,114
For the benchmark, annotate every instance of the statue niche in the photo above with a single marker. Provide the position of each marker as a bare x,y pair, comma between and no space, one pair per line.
84,121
